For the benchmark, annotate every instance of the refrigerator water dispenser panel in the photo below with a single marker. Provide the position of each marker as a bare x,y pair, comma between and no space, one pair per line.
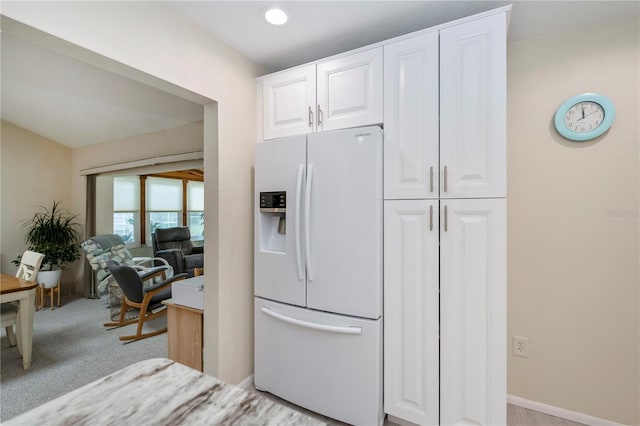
273,202
273,221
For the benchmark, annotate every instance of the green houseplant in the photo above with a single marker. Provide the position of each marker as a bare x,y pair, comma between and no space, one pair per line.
55,233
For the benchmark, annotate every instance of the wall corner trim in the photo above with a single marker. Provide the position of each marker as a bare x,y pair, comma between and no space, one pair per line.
246,383
559,412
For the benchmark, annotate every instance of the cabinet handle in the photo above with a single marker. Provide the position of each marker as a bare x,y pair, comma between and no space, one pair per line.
319,116
310,117
431,179
430,218
445,179
446,225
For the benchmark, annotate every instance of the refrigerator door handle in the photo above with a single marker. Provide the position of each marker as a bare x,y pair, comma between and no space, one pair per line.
307,217
312,325
297,222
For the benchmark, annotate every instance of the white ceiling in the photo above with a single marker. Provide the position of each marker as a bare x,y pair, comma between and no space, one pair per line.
77,104
317,29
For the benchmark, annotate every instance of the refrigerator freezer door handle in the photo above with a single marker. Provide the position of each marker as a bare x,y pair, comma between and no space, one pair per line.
307,217
312,325
298,206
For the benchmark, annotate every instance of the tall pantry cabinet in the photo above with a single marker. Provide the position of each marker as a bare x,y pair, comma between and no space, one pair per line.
445,224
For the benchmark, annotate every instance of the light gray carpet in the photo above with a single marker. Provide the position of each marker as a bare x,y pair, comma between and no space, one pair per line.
70,349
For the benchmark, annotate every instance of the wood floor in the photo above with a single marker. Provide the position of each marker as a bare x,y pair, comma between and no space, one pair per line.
516,416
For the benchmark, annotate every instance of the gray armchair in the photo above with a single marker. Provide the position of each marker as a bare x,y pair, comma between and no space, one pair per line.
174,245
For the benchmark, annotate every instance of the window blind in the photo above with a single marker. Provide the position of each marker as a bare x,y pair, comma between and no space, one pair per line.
195,196
126,193
164,194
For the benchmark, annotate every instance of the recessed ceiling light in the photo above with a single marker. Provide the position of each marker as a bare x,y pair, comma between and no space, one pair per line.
275,15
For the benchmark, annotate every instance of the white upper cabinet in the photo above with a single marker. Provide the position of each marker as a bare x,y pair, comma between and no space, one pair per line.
289,102
411,118
347,93
473,277
473,109
350,91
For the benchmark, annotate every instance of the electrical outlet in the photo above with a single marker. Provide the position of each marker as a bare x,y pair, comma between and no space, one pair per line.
521,346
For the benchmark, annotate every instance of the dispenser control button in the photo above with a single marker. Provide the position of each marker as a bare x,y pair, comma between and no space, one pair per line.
273,199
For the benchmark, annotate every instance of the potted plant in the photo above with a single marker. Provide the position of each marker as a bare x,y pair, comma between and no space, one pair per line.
56,234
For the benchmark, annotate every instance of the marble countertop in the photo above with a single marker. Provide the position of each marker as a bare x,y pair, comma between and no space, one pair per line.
161,392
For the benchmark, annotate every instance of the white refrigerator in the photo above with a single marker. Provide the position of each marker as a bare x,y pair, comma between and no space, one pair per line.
318,272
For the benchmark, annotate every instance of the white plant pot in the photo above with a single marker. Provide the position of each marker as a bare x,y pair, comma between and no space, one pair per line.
49,279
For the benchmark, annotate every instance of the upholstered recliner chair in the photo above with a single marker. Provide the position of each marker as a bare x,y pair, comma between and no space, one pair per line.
174,245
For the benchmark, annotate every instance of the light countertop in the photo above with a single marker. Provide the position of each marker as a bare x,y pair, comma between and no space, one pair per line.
161,392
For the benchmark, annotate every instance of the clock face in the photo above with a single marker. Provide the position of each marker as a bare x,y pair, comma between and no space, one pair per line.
584,117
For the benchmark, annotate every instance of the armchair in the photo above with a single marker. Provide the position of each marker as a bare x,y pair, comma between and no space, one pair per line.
100,250
147,300
174,245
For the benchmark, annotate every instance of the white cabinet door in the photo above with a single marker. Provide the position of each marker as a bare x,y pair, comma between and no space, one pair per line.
350,91
473,312
411,118
289,100
473,109
411,310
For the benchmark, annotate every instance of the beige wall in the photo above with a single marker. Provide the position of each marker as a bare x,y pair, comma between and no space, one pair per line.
152,39
573,268
35,171
182,139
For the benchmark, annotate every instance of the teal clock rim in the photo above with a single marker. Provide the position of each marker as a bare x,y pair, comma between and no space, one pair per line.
603,101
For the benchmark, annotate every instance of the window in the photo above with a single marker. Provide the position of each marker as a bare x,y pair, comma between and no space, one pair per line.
164,204
126,207
195,209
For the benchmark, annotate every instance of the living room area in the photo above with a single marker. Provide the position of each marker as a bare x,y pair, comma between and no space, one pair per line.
124,158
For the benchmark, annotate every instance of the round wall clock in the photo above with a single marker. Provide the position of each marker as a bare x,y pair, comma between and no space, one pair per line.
584,117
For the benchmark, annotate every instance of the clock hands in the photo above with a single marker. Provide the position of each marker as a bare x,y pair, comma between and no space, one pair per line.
583,112
583,115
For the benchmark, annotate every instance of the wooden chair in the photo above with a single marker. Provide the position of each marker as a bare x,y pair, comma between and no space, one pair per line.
8,317
30,263
146,299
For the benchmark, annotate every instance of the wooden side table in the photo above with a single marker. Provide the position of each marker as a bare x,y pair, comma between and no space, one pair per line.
184,326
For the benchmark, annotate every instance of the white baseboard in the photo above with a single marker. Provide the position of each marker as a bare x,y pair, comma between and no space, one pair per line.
246,383
559,412
399,421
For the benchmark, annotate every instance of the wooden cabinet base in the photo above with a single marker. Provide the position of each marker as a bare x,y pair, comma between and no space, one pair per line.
184,326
